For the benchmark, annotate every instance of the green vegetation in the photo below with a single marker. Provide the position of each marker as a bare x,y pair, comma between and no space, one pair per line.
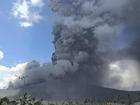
26,99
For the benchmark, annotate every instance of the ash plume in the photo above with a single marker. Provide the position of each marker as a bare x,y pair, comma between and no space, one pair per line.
90,36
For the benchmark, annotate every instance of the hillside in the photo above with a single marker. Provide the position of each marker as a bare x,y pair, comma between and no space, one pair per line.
56,91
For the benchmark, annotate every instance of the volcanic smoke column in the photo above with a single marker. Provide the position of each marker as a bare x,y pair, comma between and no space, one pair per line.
76,45
92,34
96,42
75,41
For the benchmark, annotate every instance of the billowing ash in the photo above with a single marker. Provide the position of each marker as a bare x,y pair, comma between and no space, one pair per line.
92,38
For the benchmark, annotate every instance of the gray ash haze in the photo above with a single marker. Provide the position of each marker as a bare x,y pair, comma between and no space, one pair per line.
96,42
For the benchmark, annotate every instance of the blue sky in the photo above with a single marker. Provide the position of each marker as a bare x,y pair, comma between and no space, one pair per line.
23,44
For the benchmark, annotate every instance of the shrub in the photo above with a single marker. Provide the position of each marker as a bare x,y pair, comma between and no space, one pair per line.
24,100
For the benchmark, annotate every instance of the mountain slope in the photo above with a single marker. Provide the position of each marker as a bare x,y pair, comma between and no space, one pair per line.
56,91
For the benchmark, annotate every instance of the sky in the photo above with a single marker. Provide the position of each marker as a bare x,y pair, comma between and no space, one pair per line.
26,31
25,35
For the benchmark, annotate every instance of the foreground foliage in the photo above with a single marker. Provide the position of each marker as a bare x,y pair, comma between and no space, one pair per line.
26,99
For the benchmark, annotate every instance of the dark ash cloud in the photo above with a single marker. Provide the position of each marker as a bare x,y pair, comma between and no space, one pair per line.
89,36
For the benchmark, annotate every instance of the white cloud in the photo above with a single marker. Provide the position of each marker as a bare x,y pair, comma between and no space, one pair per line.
38,3
126,72
8,74
26,24
1,55
28,12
